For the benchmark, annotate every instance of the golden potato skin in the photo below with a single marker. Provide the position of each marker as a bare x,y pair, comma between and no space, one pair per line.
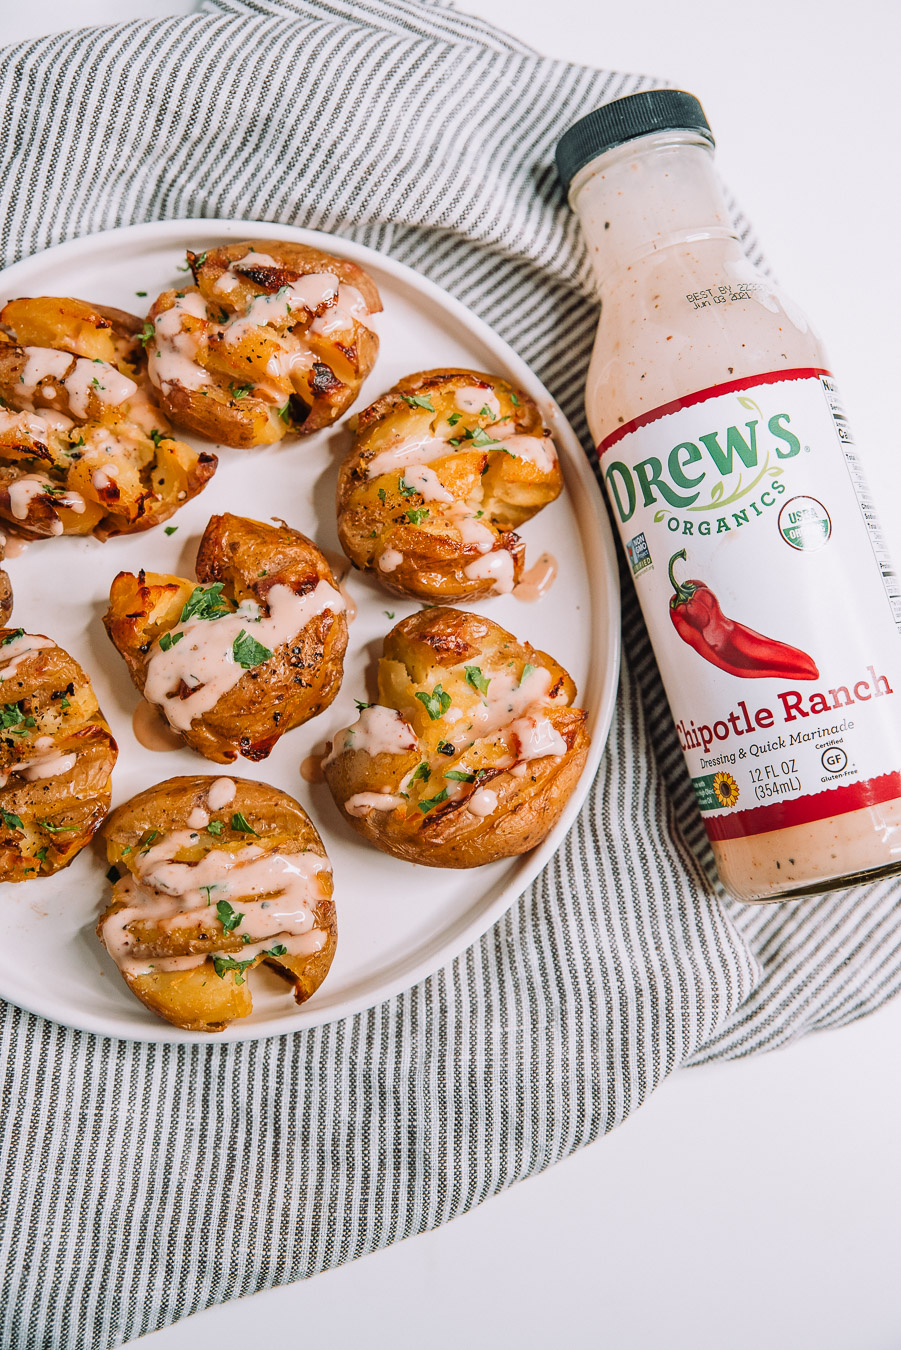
267,380
6,590
45,823
380,515
434,648
198,999
120,460
300,679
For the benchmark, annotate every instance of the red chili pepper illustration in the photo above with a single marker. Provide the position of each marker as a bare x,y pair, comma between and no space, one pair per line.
699,621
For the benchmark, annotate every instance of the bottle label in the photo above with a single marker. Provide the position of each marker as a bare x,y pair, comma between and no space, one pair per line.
769,597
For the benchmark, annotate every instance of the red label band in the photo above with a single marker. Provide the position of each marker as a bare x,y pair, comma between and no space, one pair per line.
687,400
837,801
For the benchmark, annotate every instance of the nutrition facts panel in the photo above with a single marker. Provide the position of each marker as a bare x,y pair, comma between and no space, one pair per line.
867,507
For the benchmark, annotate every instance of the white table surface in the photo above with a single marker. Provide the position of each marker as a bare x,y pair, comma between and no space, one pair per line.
754,1203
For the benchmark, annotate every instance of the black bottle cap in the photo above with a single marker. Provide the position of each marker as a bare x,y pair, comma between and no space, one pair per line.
623,120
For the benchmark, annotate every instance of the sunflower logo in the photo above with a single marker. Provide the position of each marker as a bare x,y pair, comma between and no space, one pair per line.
726,789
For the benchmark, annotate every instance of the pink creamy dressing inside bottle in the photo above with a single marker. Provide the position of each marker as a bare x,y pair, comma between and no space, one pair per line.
739,497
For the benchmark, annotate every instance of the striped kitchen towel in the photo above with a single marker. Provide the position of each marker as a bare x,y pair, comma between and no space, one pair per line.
422,132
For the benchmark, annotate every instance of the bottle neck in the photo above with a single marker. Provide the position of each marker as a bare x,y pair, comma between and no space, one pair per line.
647,195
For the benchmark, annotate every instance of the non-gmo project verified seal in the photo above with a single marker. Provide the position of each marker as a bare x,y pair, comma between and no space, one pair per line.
639,554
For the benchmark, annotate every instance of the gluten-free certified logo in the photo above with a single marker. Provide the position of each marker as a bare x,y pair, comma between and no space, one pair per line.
833,759
805,524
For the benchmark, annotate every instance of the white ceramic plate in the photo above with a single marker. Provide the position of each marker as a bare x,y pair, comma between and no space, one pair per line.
397,922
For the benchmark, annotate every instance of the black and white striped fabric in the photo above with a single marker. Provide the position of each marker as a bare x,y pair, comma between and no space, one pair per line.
143,1182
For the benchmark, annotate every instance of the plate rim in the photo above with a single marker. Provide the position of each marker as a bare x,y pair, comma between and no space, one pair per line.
590,501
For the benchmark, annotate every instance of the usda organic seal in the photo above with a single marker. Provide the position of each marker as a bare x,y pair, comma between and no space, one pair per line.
804,523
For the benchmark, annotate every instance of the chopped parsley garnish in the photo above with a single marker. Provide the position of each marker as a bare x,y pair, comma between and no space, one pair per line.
11,637
418,401
169,640
140,292
149,840
146,333
95,383
360,705
445,748
476,680
41,854
240,823
417,514
64,703
13,720
527,670
459,776
481,438
170,529
228,917
285,412
405,489
248,652
205,602
278,950
240,390
382,495
389,613
436,703
454,419
56,829
514,400
421,771
223,964
433,801
14,822
209,891
157,436
485,412
198,262
216,826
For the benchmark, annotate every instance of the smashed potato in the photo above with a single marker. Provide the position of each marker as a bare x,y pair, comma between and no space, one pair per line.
56,757
253,650
274,338
83,450
6,590
215,876
472,750
443,469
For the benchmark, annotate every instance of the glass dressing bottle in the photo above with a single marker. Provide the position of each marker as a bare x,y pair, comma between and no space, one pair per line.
755,549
